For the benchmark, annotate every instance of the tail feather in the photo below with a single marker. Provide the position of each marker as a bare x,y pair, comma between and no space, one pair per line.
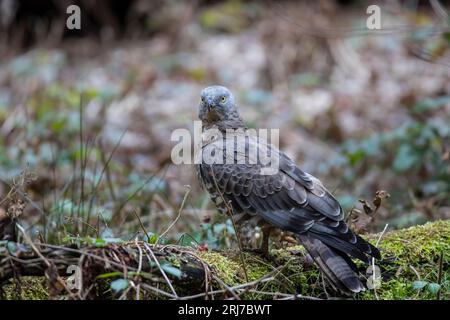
342,246
334,266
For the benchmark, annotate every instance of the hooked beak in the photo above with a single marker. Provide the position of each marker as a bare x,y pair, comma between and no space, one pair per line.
209,105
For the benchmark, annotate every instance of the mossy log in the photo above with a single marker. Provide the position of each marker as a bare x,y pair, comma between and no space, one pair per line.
416,265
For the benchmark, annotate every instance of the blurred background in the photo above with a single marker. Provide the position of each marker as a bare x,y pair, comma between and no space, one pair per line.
86,115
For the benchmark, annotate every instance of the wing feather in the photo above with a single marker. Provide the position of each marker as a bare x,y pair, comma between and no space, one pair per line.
290,199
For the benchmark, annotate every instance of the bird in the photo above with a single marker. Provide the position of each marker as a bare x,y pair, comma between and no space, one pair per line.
288,199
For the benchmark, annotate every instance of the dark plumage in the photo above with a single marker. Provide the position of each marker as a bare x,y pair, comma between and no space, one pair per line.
289,199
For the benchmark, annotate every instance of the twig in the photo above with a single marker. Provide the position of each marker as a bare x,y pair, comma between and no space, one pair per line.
160,269
158,291
85,253
227,287
104,169
141,224
284,295
108,173
441,262
82,159
273,274
178,216
381,235
241,286
299,296
373,262
324,287
138,289
30,242
277,271
416,272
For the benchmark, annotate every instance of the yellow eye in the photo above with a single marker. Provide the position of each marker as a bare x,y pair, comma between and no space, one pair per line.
223,99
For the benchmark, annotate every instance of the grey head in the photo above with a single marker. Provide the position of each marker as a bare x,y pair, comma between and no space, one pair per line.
218,107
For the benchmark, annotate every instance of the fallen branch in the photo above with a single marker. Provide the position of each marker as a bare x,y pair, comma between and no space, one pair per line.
176,272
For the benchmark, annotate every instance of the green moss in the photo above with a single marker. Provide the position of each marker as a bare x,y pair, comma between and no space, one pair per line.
419,243
390,290
227,269
257,268
291,276
413,255
174,261
30,288
408,255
